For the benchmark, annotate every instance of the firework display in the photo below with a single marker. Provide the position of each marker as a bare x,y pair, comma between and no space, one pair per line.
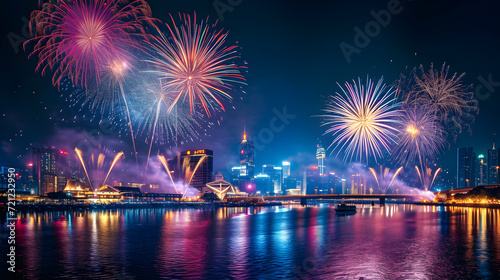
97,46
194,63
426,176
420,136
81,39
97,169
362,119
384,179
451,102
154,78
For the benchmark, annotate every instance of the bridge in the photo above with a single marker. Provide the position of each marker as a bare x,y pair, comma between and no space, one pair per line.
381,197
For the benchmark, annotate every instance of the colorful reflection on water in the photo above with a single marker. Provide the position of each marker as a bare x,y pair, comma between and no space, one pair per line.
391,242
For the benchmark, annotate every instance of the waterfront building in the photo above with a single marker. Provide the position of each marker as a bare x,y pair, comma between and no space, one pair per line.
466,167
247,156
263,184
481,171
44,169
320,156
493,165
201,162
286,170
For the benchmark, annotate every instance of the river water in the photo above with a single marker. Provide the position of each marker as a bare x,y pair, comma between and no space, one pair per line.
288,242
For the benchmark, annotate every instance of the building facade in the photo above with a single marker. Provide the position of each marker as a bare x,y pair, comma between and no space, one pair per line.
466,167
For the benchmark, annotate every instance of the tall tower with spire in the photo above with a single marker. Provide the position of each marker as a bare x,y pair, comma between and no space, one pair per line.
493,167
247,157
320,156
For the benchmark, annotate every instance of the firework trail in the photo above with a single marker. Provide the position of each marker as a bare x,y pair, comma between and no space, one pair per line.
194,63
384,179
96,167
157,123
186,174
451,101
362,119
420,136
426,176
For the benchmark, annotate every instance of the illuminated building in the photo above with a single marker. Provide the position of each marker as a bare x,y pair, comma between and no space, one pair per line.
481,171
235,175
358,184
289,183
23,179
493,164
274,172
107,194
246,159
343,183
320,156
466,167
277,180
286,170
221,188
77,189
201,162
264,184
44,170
314,183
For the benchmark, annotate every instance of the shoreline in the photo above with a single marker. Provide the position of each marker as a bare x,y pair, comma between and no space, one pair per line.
475,205
198,205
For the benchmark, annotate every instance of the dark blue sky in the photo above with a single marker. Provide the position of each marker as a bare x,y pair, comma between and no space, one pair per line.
294,60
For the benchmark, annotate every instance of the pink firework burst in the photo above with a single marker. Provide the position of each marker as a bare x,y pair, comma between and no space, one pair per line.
79,39
194,63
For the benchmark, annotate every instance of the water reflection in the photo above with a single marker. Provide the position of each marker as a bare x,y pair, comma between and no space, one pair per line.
395,241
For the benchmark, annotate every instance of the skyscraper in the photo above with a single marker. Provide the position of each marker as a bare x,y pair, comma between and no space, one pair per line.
201,162
263,184
466,167
481,171
278,179
274,172
286,169
247,156
493,164
44,169
320,156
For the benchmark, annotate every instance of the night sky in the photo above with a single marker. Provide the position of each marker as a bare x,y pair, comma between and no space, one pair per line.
294,61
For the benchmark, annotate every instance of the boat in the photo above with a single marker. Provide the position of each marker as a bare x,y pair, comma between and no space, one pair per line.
342,207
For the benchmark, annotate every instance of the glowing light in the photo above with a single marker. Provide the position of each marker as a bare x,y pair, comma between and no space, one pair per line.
362,119
95,168
420,136
195,64
78,38
412,130
450,101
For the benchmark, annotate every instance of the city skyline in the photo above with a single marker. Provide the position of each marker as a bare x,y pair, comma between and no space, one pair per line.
237,139
248,113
